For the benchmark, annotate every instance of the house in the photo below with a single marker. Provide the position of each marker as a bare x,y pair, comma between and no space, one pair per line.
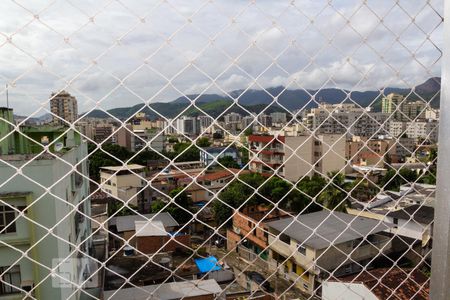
208,154
125,227
305,249
152,237
192,290
209,184
294,157
249,233
124,182
415,221
378,284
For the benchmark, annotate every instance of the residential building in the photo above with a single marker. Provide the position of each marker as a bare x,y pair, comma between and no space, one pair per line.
64,108
6,126
141,137
306,248
297,156
415,221
249,233
418,130
43,196
379,284
123,136
152,237
346,119
209,154
265,120
192,290
205,124
248,122
392,104
187,125
208,185
124,183
104,133
233,121
125,226
278,118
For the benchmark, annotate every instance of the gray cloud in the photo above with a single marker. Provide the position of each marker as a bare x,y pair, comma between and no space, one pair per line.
233,41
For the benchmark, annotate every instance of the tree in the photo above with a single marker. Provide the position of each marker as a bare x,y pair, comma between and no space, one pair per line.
107,155
203,142
336,194
182,207
228,162
188,152
393,179
248,131
306,200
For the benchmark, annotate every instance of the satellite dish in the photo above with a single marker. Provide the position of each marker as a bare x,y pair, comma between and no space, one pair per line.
59,146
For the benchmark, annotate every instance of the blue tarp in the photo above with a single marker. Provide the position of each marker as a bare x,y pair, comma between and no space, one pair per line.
207,264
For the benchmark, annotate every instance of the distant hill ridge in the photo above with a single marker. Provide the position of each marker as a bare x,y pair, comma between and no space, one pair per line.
257,100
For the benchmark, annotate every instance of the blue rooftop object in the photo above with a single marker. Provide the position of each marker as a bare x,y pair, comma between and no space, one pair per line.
207,264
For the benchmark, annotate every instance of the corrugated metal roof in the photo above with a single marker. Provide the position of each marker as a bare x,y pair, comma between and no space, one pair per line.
320,229
126,223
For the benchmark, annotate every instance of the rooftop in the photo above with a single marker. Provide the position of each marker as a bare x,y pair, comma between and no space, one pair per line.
167,291
149,228
123,168
420,213
394,284
320,229
126,223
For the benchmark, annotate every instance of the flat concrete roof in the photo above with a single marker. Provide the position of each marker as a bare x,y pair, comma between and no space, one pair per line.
123,168
318,230
167,291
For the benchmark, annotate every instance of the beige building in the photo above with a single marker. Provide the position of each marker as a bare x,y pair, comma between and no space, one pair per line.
64,107
124,182
340,243
297,156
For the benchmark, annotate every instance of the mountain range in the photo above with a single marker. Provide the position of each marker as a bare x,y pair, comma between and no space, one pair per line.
258,100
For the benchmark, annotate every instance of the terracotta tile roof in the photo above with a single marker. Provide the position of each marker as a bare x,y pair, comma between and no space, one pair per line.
265,138
221,174
395,284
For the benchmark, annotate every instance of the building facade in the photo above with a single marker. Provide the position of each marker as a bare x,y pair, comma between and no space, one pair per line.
64,108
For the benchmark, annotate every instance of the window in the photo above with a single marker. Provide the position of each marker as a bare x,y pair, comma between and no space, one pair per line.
11,277
7,215
302,250
285,238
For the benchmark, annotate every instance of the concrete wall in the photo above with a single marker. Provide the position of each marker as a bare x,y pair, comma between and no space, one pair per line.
346,291
295,167
50,212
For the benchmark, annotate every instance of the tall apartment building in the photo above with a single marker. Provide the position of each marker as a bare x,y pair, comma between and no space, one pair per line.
401,109
233,121
278,117
297,156
28,211
187,125
417,130
346,118
65,107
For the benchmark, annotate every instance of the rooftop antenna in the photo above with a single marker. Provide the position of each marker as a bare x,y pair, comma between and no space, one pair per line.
7,96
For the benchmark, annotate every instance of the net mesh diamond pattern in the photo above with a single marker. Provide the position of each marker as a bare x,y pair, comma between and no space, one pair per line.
218,149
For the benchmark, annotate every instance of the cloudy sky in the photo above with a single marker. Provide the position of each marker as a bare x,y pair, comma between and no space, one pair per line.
111,53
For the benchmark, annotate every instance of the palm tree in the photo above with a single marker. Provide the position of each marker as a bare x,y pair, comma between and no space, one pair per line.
336,194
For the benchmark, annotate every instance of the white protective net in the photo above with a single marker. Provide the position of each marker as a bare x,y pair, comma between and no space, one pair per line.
218,149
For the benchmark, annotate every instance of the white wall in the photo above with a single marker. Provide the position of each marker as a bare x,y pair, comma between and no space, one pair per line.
346,291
